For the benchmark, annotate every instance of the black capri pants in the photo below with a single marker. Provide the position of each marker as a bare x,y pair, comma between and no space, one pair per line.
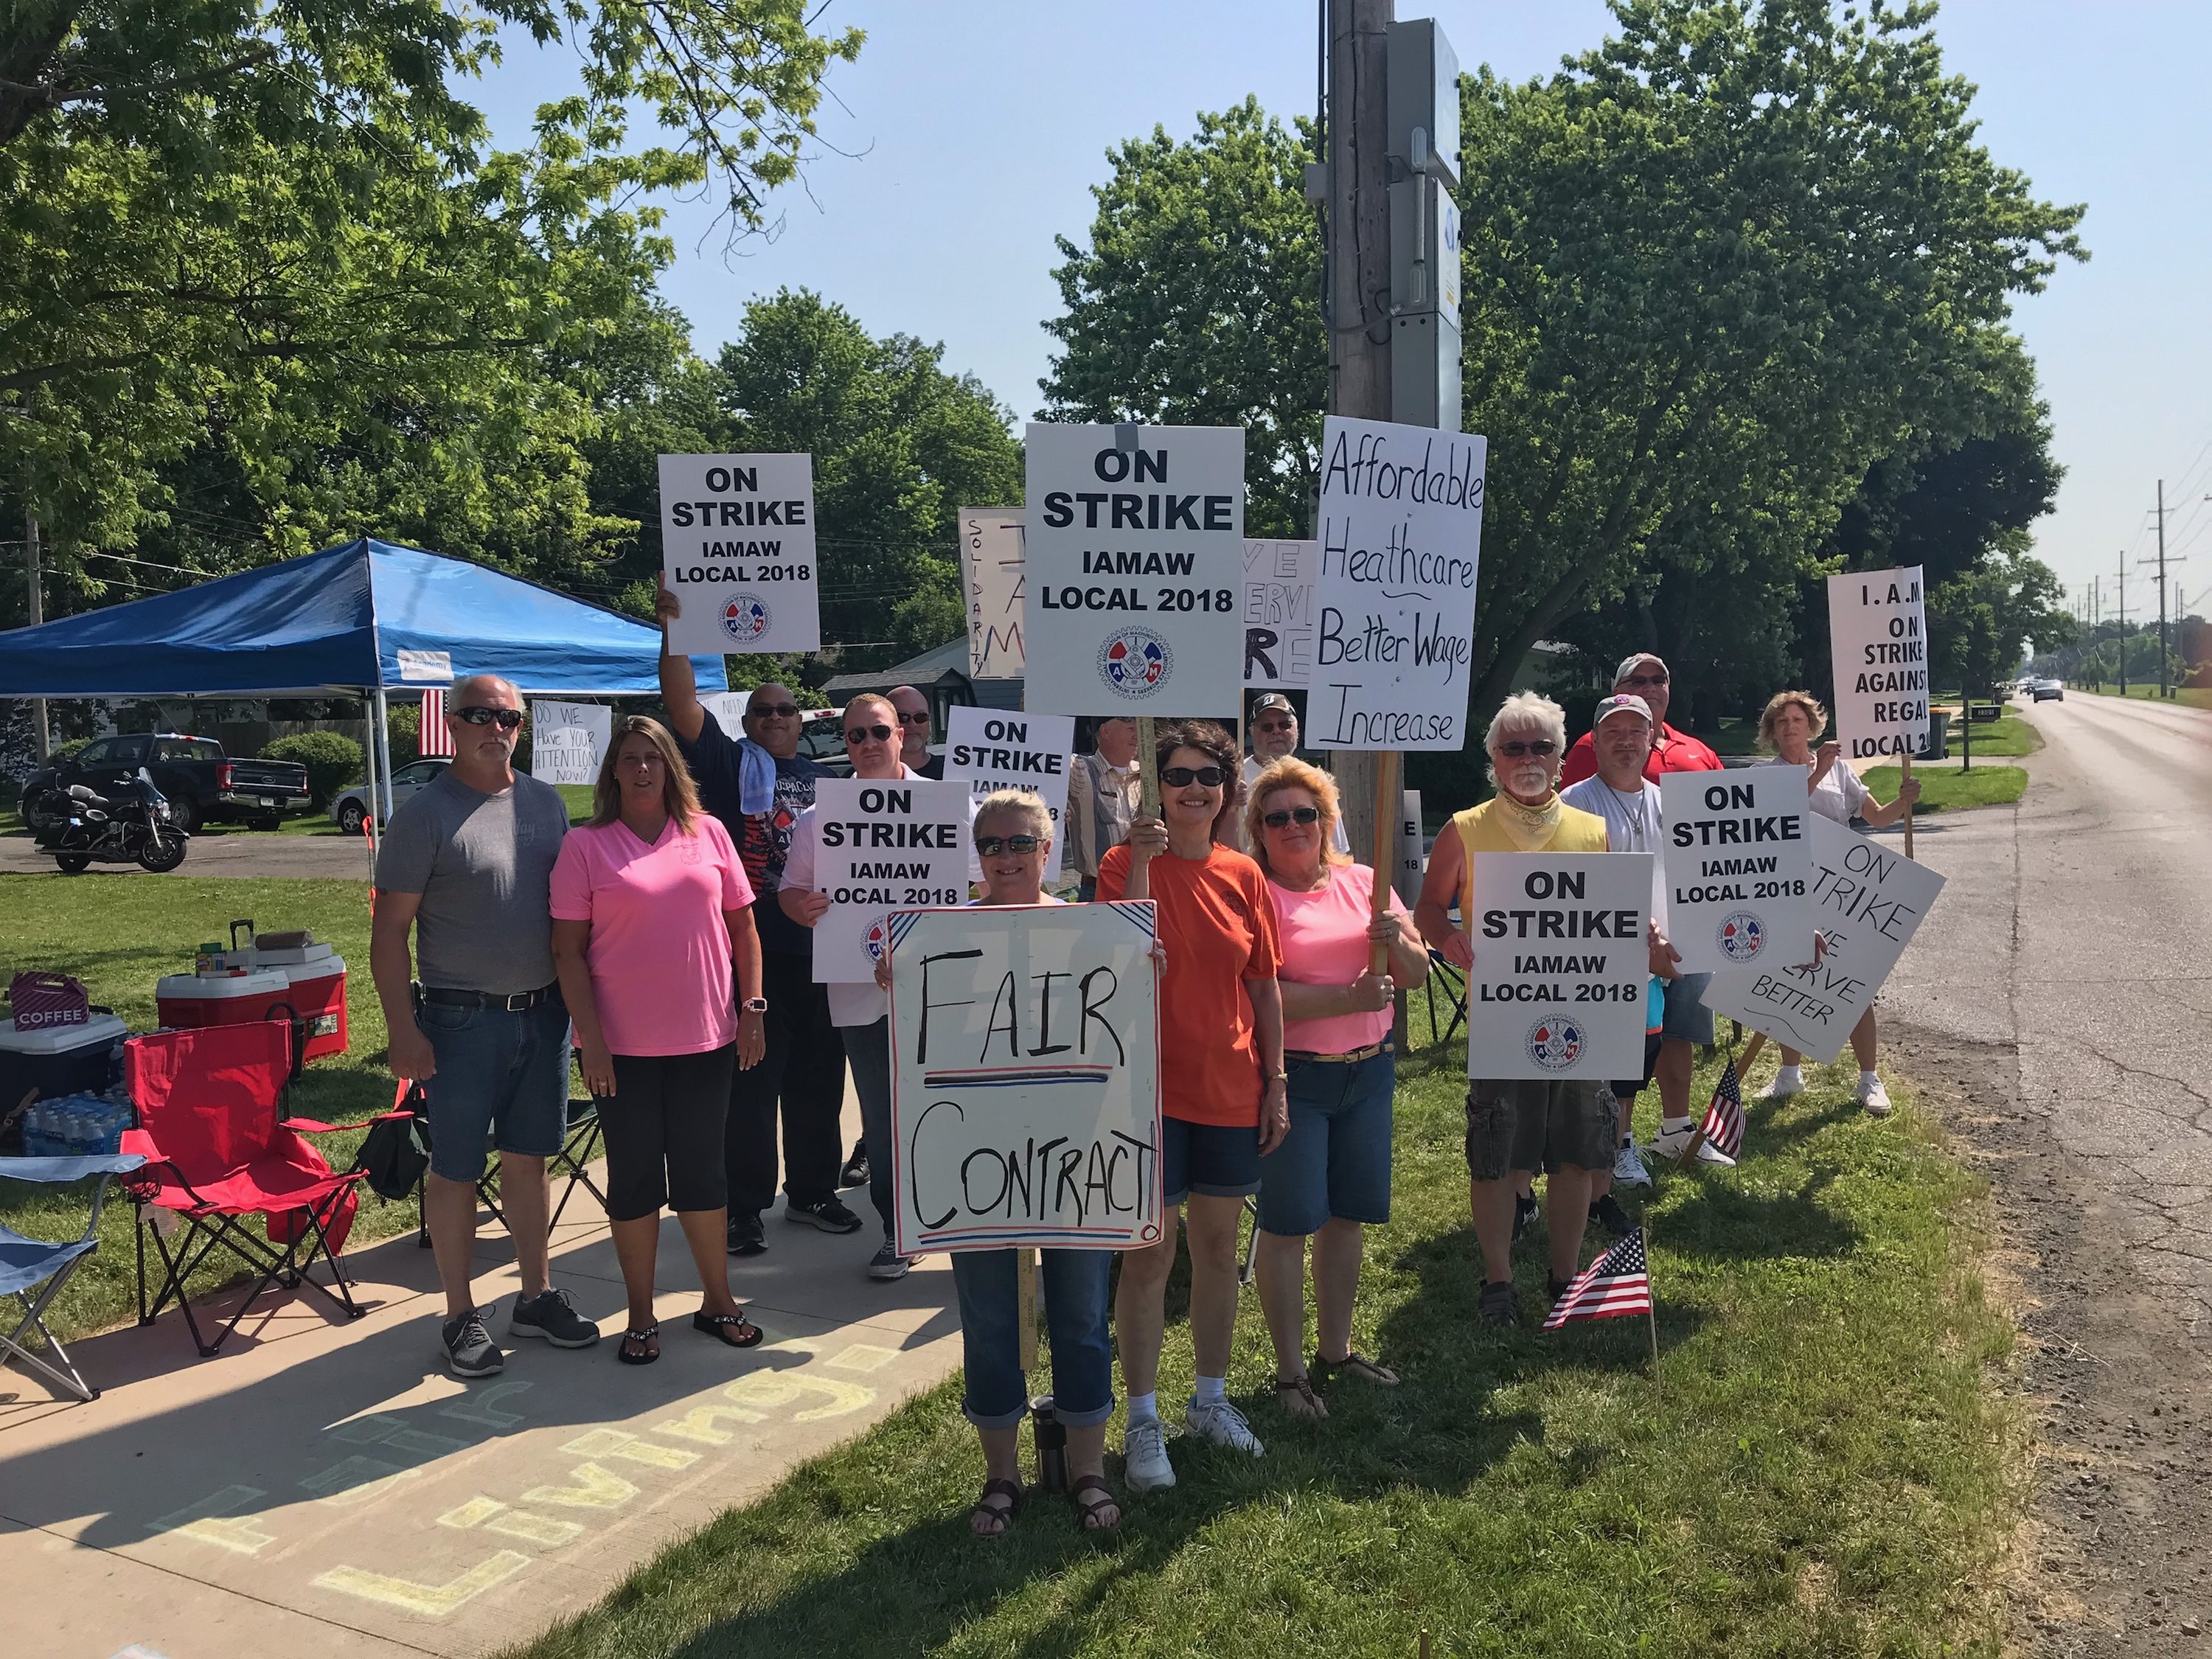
664,1133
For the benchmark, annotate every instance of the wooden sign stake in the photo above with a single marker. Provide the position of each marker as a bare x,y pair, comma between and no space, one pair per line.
1148,767
1025,1293
1387,807
1905,762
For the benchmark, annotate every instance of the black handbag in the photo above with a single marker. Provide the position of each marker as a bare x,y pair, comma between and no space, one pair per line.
396,1152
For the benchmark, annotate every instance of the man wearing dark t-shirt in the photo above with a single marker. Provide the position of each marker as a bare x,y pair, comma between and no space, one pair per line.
802,1070
1644,675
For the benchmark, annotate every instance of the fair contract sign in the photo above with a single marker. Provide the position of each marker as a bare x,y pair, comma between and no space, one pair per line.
737,549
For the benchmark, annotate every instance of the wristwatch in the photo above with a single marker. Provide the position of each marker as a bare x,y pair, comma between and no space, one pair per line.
753,1004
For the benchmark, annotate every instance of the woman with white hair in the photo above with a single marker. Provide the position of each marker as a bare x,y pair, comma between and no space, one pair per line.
1513,1126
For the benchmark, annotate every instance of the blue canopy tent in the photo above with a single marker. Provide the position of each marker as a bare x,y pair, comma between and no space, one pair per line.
355,620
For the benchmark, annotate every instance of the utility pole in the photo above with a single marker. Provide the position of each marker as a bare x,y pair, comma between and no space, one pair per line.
2124,621
37,596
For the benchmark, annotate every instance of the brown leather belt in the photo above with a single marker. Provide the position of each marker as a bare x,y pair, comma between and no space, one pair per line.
1351,1059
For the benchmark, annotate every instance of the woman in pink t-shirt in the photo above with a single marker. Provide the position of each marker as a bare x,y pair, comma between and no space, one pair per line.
651,908
1331,1175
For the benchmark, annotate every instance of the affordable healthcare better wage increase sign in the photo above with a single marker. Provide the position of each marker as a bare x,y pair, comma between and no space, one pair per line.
737,549
1135,561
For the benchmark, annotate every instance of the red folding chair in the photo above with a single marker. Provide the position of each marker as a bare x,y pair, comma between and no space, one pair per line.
219,1149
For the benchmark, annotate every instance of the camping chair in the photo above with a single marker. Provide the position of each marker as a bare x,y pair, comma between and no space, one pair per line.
1455,984
580,1145
28,1263
218,1149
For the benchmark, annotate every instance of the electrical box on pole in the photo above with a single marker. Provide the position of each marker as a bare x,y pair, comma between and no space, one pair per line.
1421,100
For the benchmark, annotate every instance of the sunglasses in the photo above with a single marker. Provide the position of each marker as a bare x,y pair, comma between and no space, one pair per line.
921,719
772,711
1539,747
990,846
1642,679
862,733
1275,725
476,715
1289,816
1177,777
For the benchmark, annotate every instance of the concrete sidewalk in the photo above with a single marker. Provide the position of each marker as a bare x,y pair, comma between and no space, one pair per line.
326,1488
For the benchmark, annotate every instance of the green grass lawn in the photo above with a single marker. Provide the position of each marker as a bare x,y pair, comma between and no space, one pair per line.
1948,787
2195,696
1821,1465
2007,735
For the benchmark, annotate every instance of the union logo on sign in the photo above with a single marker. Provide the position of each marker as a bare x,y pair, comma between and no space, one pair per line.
1135,661
877,938
1555,1044
744,618
1742,936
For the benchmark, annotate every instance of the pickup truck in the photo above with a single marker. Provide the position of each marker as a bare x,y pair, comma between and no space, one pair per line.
203,784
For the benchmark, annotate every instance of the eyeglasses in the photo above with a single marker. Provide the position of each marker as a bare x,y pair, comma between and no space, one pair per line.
1514,749
989,847
1660,679
861,733
477,714
772,711
1284,819
1178,777
918,719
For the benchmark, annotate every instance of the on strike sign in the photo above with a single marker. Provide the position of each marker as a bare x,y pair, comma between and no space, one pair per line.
1878,636
1739,867
884,845
991,749
1134,559
1560,964
737,547
1401,533
1025,1094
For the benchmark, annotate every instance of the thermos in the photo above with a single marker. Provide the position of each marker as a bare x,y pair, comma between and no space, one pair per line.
1050,1435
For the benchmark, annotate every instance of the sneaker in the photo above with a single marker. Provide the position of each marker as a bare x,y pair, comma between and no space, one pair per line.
1628,1168
1500,1306
830,1215
470,1351
551,1314
1787,1081
1606,1213
1524,1214
1873,1097
888,1263
1219,1421
856,1172
1674,1142
1145,1456
746,1237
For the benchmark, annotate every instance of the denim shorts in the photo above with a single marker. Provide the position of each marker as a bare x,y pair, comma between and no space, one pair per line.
502,1079
998,1392
1335,1163
1688,1019
1211,1158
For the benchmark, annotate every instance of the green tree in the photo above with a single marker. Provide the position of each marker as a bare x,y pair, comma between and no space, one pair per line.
1985,623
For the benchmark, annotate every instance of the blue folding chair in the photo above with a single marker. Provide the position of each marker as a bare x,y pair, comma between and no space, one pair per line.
27,1264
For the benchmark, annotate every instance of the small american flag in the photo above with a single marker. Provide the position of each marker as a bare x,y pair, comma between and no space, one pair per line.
1616,1284
1724,1124
433,738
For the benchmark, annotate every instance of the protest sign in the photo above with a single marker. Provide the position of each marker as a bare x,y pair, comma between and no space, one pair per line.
1739,875
991,565
567,740
1401,533
1878,641
1278,614
885,845
1025,1101
992,749
1560,964
1868,903
1407,880
1134,546
737,547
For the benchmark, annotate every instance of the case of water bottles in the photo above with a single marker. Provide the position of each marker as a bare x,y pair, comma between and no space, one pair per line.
76,1126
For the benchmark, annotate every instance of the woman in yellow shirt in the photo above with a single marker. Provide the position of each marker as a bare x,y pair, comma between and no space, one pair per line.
1515,1125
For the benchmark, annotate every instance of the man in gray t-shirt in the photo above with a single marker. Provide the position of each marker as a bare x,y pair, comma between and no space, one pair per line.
466,867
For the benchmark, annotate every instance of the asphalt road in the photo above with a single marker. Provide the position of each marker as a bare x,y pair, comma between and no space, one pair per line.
220,852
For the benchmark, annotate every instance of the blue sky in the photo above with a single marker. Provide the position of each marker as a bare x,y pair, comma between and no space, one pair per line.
971,133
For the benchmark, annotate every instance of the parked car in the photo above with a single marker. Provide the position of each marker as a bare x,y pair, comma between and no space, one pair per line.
201,783
822,739
2049,691
349,809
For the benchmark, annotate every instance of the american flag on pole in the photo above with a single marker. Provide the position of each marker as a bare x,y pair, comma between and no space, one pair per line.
433,738
1616,1284
1724,1124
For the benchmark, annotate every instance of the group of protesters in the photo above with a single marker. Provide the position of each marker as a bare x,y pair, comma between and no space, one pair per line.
669,940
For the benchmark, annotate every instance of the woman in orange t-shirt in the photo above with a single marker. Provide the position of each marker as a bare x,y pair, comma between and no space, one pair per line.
1222,1100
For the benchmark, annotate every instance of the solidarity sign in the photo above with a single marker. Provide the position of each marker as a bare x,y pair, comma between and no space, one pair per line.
991,570
883,845
1739,867
737,547
1560,965
1025,1077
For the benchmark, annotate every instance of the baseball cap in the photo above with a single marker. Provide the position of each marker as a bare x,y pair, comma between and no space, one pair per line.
1628,664
1625,702
1267,700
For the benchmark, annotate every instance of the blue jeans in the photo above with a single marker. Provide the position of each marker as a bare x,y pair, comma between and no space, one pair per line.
502,1077
869,1050
998,1392
1335,1163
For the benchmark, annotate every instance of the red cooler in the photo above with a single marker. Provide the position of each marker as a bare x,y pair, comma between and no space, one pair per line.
189,1000
317,977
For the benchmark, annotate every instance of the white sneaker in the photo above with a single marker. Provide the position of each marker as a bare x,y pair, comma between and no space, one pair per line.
1628,1168
1873,1097
1224,1425
1787,1081
1144,1453
1672,1143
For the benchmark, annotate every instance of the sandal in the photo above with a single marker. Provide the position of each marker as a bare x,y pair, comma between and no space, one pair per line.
644,1356
998,1519
720,1326
1356,1364
1296,1395
1087,1513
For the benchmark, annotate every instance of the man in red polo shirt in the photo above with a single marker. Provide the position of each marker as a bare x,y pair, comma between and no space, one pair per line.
1644,676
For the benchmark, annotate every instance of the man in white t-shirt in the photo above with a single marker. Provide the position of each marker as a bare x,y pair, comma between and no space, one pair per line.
1629,803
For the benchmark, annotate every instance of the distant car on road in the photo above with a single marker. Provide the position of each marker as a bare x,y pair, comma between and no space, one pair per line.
2049,691
350,811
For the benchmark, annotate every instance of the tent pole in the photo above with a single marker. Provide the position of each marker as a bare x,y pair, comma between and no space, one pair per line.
368,757
382,736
